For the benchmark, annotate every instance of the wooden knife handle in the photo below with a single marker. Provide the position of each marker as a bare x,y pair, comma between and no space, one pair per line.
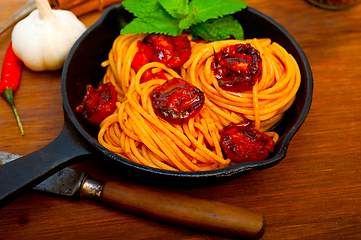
185,210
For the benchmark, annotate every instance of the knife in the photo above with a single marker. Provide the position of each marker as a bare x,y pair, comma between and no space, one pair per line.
165,206
21,13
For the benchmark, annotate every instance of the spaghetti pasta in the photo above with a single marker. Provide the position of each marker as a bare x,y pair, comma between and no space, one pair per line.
266,103
136,132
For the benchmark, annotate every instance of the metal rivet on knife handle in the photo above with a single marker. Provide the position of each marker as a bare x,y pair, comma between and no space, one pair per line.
91,188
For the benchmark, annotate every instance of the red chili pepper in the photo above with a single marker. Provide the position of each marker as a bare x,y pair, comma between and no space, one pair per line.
10,78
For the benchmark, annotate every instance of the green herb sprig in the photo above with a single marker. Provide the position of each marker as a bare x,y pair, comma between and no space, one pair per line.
210,20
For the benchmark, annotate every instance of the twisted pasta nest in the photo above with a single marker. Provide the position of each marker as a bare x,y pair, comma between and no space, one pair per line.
134,131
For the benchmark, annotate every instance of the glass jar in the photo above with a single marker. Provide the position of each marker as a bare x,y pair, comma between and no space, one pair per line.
334,4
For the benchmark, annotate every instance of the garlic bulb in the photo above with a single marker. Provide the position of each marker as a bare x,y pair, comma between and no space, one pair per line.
43,39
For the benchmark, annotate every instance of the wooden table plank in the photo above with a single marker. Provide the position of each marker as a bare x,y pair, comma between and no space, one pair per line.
312,194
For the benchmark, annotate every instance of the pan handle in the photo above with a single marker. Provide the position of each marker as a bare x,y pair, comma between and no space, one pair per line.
68,148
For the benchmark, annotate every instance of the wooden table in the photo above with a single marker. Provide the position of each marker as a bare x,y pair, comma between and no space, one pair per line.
314,193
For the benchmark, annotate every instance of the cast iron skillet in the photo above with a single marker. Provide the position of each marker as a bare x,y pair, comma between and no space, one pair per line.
77,141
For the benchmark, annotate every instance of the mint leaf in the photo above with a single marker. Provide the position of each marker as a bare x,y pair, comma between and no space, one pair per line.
219,29
158,22
211,9
141,8
208,19
176,8
186,22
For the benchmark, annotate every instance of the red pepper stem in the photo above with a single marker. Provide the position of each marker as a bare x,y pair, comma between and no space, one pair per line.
8,94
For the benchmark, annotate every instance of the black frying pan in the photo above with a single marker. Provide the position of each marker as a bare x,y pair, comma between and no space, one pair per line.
77,141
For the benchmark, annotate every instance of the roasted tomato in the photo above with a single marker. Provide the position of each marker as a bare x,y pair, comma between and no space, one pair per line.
140,59
177,100
237,67
171,51
98,103
243,143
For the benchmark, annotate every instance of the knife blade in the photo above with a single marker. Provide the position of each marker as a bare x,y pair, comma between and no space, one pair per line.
21,13
165,206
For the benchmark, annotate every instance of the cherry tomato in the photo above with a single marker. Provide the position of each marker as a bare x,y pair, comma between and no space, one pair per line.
243,143
98,103
177,100
237,67
169,50
139,60
172,51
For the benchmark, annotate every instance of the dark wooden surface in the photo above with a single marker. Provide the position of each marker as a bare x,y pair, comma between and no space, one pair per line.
314,193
